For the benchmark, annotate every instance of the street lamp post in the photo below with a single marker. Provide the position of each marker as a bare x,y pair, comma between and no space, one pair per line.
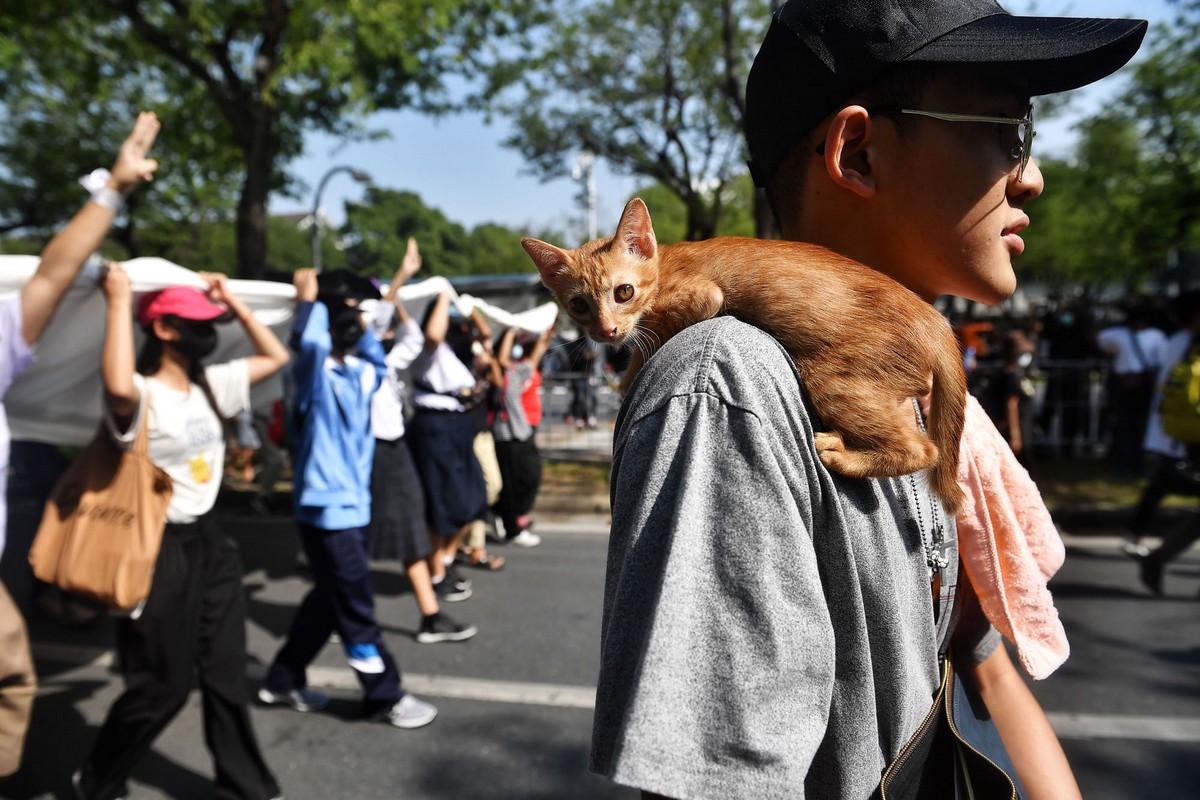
359,176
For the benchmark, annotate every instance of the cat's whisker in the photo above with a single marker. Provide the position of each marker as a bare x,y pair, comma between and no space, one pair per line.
646,341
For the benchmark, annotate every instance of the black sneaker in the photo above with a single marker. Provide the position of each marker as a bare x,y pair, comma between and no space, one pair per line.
456,578
304,700
83,789
447,592
440,628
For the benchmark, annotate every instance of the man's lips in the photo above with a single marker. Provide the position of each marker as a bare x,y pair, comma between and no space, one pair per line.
1009,235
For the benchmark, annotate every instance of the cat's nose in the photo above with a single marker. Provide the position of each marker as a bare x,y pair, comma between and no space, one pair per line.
610,333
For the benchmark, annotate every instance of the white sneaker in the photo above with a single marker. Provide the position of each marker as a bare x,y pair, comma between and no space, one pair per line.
410,712
1134,549
526,539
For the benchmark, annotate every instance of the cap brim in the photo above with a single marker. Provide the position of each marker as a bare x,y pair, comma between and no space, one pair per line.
216,314
1043,54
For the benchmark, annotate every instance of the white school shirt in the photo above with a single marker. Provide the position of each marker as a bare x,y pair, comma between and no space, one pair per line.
1118,342
445,374
187,439
15,355
387,416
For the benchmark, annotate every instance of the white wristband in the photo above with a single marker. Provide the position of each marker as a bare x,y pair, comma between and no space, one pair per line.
96,182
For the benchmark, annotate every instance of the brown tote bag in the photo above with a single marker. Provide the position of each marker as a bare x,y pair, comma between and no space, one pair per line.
104,521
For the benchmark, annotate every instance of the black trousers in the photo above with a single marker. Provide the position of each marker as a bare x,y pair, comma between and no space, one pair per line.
1172,476
192,628
341,600
521,468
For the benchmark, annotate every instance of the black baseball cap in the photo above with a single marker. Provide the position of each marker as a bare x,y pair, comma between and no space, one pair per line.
819,53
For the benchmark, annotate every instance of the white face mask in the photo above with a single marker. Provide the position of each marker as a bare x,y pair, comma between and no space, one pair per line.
517,351
1024,360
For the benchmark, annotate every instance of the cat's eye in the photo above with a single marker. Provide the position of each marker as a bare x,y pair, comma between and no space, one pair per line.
578,305
623,293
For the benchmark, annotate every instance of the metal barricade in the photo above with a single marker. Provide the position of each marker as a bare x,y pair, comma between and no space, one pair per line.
1070,405
578,413
1071,410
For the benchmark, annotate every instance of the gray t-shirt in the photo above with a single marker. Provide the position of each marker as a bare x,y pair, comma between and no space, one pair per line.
769,629
512,424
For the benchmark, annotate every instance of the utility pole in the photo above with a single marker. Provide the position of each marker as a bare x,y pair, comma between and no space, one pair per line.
584,169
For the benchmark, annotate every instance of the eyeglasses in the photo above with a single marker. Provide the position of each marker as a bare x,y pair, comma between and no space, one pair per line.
1019,153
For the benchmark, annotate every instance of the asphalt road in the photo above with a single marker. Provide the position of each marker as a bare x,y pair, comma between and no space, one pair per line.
515,701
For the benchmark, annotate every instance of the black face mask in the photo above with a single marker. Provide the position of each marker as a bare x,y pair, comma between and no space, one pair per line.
196,340
345,329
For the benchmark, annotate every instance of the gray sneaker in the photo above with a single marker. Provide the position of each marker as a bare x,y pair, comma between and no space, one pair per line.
410,712
440,628
299,699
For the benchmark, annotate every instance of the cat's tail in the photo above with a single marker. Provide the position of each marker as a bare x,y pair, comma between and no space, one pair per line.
948,406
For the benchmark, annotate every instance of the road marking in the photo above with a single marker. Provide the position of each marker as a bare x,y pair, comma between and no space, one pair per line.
1067,725
538,694
1125,726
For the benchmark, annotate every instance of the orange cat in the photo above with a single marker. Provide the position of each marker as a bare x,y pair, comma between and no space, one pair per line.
862,343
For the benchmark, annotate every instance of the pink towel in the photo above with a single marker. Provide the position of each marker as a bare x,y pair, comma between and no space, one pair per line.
1009,545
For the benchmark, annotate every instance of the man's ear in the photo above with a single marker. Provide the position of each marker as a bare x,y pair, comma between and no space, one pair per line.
851,152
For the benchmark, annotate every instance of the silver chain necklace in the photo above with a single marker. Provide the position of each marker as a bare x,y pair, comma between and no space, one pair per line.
933,543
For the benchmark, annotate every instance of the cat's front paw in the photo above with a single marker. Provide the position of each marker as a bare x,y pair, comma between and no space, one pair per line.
829,445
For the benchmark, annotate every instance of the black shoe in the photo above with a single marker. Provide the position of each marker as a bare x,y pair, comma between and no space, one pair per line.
447,592
456,578
1151,571
440,628
82,784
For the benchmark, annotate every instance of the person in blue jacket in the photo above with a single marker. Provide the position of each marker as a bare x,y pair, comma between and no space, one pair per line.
336,369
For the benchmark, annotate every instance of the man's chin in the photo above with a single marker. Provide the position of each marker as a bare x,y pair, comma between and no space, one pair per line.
994,290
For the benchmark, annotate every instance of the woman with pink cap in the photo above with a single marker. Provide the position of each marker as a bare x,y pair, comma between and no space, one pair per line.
193,622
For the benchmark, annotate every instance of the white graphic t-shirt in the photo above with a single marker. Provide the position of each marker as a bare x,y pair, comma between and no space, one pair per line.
186,438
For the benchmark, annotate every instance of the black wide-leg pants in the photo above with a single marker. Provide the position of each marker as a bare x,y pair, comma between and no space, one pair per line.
191,629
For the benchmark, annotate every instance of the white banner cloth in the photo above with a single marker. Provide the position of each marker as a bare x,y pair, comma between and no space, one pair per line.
58,398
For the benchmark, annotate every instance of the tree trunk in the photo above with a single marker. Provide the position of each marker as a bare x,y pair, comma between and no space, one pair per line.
764,219
701,221
252,205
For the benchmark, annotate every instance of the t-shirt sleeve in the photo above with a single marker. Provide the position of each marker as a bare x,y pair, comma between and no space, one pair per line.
974,637
230,384
124,439
717,664
15,353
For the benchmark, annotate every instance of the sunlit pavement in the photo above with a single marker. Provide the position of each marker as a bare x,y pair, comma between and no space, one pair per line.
515,701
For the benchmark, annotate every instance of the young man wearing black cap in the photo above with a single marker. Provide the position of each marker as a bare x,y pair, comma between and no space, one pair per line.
767,629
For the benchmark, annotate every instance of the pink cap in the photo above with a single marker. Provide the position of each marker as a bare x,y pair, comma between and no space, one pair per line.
184,302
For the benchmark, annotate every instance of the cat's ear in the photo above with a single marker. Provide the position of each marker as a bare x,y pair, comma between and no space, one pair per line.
550,260
634,230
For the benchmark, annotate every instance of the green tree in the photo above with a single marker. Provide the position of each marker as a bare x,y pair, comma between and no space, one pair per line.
653,87
378,229
1164,102
257,74
669,214
1130,195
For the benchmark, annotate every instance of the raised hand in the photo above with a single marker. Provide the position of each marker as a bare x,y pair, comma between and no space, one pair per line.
115,281
132,167
218,287
411,263
305,281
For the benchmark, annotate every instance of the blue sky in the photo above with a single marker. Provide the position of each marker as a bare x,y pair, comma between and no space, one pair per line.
456,164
